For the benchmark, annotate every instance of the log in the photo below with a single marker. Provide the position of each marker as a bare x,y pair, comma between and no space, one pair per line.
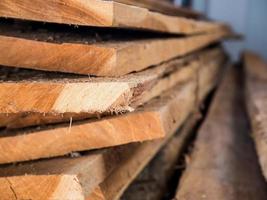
35,98
256,101
28,49
224,164
100,13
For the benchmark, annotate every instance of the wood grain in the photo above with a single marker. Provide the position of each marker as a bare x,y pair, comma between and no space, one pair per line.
224,164
41,187
42,99
256,99
101,13
102,59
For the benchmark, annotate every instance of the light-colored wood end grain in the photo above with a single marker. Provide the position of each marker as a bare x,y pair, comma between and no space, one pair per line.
47,187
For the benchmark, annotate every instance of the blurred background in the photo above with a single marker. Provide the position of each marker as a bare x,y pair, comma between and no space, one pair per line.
248,17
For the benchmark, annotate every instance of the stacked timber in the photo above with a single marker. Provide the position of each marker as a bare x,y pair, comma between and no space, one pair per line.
83,83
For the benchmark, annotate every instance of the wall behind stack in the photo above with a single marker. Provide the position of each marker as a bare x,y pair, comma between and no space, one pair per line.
245,16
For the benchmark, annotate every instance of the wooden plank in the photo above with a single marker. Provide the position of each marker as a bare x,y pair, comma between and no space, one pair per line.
28,49
224,164
78,175
32,187
149,122
46,98
88,170
100,13
256,99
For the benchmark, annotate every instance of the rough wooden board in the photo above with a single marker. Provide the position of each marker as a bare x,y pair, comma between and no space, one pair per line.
102,59
163,7
114,186
100,13
79,98
152,182
89,169
224,163
256,99
149,122
80,174
41,187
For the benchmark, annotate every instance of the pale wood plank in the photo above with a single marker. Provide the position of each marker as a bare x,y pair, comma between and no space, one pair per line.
41,187
45,99
100,13
256,99
102,59
223,164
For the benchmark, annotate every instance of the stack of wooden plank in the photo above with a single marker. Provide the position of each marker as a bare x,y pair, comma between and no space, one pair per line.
82,90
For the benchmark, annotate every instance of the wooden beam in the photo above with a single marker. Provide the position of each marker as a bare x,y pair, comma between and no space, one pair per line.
224,164
46,98
96,58
119,180
256,99
146,123
101,13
